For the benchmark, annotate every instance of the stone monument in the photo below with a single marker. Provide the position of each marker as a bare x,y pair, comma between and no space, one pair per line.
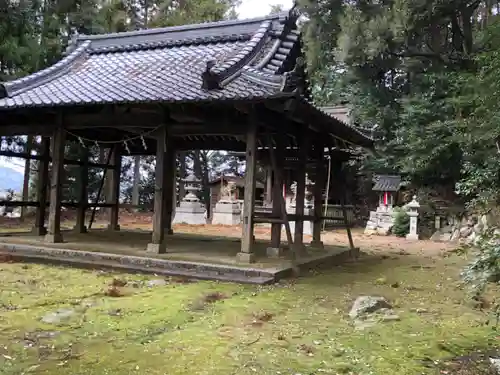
412,212
227,211
191,210
381,221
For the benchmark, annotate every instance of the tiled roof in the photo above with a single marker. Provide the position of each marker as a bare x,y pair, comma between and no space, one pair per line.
212,61
386,183
221,61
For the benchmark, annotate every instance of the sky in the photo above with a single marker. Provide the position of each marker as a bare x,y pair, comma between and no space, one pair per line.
259,8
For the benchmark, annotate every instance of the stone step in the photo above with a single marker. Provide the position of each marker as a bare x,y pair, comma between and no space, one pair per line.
192,270
200,275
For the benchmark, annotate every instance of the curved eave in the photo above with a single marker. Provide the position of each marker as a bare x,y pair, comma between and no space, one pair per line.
337,128
269,69
232,65
18,86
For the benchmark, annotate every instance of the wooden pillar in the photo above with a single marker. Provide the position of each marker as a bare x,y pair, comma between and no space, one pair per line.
136,182
319,184
269,185
246,254
301,191
158,244
279,179
41,187
114,188
27,172
58,142
170,180
83,198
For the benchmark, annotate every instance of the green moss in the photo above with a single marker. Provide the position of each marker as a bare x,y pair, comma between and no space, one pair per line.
298,326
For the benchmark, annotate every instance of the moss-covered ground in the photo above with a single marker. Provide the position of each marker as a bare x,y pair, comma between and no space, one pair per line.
299,326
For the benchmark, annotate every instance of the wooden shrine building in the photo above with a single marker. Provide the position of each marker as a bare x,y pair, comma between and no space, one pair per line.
238,85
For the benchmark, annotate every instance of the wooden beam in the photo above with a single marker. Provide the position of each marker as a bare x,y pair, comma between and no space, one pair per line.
57,146
158,244
41,187
23,155
277,192
82,192
114,188
301,189
319,185
170,182
246,254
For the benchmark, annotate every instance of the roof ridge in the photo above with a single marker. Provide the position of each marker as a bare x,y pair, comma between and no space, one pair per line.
172,43
215,74
195,26
218,75
17,86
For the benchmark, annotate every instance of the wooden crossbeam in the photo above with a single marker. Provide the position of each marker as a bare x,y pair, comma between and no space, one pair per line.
24,155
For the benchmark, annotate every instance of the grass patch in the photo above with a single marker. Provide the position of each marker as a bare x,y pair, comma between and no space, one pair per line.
176,327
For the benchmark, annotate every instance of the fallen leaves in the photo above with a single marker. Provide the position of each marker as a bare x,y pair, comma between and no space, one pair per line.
114,291
207,299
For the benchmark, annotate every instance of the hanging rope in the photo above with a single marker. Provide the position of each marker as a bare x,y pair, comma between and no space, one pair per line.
130,139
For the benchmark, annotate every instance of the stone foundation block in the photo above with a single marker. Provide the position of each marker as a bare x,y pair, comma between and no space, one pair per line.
246,257
54,238
156,248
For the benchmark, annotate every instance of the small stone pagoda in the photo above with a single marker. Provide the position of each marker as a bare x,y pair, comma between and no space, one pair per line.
381,220
191,210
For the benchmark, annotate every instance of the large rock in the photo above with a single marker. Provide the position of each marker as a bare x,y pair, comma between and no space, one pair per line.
495,364
383,231
370,231
58,316
455,236
465,231
367,305
478,228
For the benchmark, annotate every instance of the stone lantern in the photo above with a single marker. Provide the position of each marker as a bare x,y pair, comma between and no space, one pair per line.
413,207
191,210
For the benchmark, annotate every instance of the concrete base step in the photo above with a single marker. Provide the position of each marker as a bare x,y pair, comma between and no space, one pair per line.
115,266
127,263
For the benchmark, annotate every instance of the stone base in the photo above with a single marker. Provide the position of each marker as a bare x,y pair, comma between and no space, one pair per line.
113,227
299,249
169,231
156,248
192,213
54,238
246,257
412,237
317,244
192,218
226,218
39,231
275,252
80,230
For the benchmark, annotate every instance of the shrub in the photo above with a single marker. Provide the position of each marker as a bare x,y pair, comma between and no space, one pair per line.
401,222
483,269
485,266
